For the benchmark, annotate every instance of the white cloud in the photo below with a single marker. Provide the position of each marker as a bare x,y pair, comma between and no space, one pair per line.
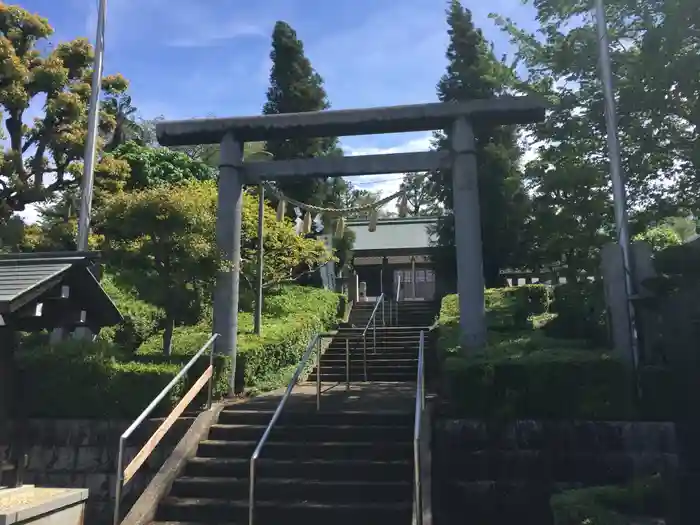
176,23
387,183
218,35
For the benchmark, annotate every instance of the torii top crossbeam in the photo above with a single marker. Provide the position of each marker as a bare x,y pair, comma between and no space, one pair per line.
347,122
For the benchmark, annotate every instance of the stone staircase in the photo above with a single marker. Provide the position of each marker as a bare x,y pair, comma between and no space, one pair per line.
345,464
410,313
395,357
349,463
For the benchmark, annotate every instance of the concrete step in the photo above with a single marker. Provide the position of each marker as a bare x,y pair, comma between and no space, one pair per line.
374,360
357,363
308,450
294,489
290,417
381,352
211,510
372,375
311,469
310,433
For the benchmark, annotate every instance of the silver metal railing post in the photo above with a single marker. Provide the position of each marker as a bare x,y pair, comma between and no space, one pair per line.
119,482
210,386
318,375
347,364
374,335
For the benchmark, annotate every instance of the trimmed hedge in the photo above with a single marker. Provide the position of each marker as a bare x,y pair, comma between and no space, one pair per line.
580,313
105,380
611,505
141,319
84,379
513,307
294,315
526,374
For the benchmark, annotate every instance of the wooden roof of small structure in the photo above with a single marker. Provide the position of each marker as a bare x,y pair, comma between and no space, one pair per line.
65,280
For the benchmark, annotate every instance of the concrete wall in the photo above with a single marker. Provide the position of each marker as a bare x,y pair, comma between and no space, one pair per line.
82,454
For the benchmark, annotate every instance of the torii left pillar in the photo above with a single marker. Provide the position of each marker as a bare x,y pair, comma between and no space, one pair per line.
228,238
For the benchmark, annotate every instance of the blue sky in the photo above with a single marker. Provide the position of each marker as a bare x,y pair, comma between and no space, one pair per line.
196,58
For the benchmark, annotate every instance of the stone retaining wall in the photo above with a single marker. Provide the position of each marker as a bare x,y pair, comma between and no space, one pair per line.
82,454
508,472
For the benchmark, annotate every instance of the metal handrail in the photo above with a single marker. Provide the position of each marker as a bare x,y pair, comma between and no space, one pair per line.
371,321
417,427
125,474
398,295
315,343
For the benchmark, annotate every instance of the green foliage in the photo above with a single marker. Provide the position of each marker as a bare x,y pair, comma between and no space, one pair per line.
611,505
54,142
580,312
293,315
419,194
525,374
514,307
474,72
286,255
522,379
659,237
654,52
141,319
162,240
150,166
82,379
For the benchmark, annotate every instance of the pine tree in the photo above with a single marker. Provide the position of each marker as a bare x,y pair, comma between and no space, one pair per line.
296,87
473,72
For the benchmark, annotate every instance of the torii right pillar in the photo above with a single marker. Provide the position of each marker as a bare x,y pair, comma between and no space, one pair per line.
468,247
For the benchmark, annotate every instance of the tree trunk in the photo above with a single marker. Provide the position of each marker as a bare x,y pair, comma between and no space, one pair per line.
168,336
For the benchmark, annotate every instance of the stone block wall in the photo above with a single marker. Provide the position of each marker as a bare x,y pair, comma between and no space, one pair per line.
507,472
83,454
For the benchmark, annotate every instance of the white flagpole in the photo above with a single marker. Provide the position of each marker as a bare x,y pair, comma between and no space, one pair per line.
91,143
618,183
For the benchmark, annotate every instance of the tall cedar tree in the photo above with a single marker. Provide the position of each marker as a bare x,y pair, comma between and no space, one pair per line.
473,72
295,87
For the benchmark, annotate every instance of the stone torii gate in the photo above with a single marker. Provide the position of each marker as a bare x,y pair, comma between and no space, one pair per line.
232,133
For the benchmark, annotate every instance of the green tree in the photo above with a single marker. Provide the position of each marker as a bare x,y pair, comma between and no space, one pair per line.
149,166
39,159
296,87
655,53
473,72
162,242
419,194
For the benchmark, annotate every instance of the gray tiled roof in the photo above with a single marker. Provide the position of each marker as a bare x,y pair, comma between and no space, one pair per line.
392,234
24,277
17,279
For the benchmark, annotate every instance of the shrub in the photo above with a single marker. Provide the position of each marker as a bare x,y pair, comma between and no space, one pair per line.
141,319
84,379
293,299
300,312
512,307
580,313
548,384
611,505
526,374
